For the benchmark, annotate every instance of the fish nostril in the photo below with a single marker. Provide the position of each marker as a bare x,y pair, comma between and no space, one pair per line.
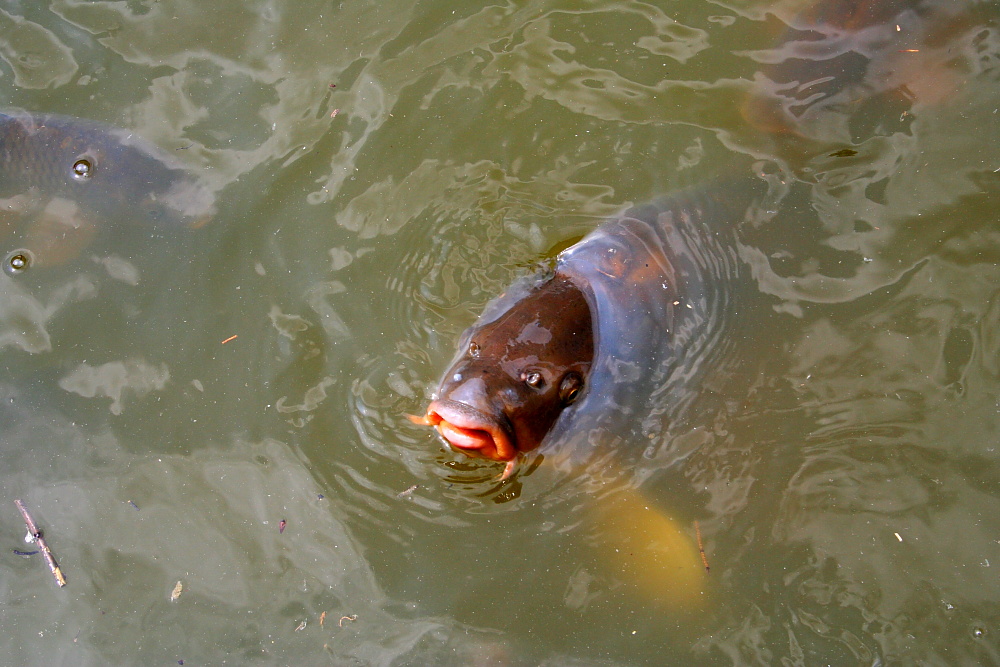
473,391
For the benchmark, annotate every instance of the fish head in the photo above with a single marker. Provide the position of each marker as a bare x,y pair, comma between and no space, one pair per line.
516,373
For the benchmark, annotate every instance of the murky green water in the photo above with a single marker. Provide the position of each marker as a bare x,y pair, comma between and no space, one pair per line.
382,170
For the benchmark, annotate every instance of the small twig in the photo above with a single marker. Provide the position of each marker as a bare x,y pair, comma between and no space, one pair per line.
36,535
701,549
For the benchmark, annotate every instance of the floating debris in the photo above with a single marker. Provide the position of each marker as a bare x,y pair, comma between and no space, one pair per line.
701,548
35,535
176,593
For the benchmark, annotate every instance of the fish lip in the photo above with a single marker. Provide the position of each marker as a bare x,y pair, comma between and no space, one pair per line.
471,431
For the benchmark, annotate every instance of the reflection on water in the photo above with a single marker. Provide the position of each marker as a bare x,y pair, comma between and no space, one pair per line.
837,460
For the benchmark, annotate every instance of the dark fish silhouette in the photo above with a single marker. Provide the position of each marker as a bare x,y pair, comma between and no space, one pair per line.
64,181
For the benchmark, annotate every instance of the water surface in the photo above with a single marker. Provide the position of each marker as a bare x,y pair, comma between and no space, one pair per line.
381,171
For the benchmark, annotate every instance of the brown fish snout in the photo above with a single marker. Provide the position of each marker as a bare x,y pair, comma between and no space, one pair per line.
472,431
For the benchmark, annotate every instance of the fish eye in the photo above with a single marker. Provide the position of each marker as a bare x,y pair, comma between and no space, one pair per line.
17,262
533,379
570,388
473,349
82,169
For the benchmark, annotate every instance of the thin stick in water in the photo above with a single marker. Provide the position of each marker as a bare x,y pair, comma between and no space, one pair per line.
36,535
701,548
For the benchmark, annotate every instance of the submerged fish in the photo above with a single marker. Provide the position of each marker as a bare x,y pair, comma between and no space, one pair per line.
64,181
620,322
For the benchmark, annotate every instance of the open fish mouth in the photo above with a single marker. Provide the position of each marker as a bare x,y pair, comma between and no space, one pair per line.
472,431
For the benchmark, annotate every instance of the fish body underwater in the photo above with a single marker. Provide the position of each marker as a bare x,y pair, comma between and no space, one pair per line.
65,181
593,354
